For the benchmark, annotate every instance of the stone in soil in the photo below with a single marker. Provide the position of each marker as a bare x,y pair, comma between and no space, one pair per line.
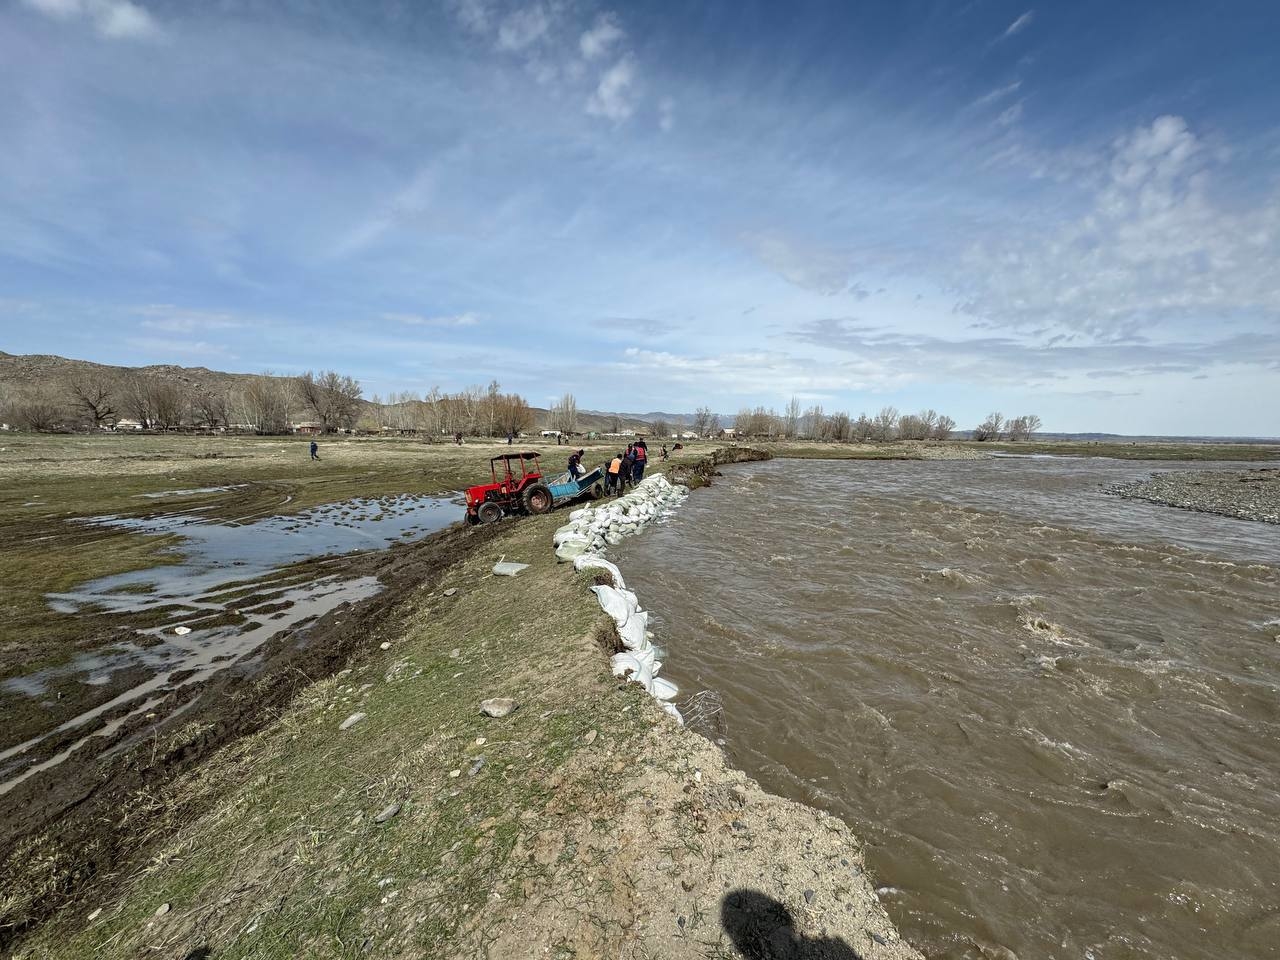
498,707
387,813
351,721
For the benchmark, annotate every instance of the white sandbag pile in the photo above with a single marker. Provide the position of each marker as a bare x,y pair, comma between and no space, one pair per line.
592,529
638,662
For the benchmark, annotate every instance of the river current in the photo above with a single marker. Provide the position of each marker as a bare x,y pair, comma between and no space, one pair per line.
1053,715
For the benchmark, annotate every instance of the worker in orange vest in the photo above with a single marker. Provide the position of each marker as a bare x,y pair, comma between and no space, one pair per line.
614,476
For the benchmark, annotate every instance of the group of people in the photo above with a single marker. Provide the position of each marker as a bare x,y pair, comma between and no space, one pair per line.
626,469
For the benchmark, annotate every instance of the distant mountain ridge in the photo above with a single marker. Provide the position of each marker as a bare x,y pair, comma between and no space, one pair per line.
28,370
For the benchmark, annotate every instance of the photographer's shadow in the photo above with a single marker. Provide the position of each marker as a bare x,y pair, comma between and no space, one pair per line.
762,928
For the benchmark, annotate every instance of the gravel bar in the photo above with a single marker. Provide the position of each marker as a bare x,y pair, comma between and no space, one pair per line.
1245,494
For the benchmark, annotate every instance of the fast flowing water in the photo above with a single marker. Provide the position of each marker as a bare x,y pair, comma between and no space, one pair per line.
1053,715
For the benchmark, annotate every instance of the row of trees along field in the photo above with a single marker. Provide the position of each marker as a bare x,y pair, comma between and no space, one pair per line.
814,423
267,404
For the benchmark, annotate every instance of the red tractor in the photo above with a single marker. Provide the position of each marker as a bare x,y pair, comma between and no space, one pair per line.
509,493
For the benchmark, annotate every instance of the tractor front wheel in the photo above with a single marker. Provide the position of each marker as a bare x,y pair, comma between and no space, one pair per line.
489,512
537,498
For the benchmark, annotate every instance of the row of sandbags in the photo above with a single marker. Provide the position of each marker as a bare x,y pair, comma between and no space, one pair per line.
638,662
592,529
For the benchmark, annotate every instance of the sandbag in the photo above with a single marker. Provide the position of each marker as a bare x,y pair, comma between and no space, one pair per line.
587,562
615,605
571,550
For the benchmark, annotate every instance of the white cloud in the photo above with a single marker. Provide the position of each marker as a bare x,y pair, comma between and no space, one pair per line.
666,114
598,41
1019,25
523,28
1156,246
613,96
459,320
115,19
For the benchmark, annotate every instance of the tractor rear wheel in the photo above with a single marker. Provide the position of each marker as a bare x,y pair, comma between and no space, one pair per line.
537,498
489,512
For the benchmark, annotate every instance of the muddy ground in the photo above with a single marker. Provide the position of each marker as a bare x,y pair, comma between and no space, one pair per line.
71,819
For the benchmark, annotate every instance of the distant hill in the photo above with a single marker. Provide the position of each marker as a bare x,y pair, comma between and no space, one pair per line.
47,370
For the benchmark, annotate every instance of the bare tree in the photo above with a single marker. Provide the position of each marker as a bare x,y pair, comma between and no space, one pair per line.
863,428
705,423
137,401
564,414
212,407
813,424
1021,428
333,399
168,403
839,427
942,429
660,428
885,422
990,428
791,418
911,427
266,404
91,396
38,408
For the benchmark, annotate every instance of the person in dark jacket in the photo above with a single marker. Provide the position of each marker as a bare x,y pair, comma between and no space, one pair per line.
315,450
576,469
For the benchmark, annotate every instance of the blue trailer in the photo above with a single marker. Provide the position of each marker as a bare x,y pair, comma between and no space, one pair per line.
565,489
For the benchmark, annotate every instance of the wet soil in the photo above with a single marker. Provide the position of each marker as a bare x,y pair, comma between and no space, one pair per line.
86,824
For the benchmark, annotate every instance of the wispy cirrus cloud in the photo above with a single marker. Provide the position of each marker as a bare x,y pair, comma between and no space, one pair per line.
1018,25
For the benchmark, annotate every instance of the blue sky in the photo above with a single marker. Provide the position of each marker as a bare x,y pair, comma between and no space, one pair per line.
1070,208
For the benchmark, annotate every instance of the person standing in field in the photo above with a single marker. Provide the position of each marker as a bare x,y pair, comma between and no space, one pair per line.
642,457
315,450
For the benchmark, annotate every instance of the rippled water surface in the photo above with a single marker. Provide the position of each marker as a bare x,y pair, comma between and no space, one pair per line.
1053,715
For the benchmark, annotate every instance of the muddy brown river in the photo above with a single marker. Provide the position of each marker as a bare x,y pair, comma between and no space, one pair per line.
1053,715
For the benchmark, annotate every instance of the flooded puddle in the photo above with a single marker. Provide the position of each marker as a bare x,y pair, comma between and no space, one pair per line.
225,597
